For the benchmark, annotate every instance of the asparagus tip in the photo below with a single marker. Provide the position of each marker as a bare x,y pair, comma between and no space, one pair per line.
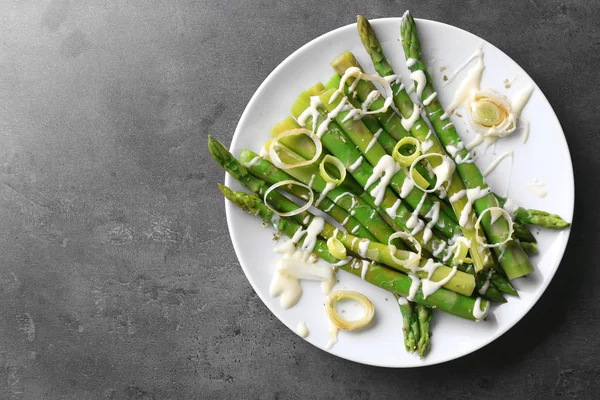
227,192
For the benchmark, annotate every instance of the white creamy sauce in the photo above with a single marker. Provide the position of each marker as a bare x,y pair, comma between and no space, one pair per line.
371,97
429,99
433,215
326,286
414,287
475,142
470,84
393,79
253,162
312,180
467,160
486,285
393,210
306,220
355,229
333,338
520,100
479,314
510,206
494,164
444,116
411,62
345,221
385,169
312,231
438,249
428,286
448,125
374,140
472,196
302,330
323,126
414,222
426,145
363,246
525,130
285,287
477,54
264,153
454,149
328,187
407,186
457,196
356,164
364,269
311,112
538,187
402,300
335,232
420,82
408,123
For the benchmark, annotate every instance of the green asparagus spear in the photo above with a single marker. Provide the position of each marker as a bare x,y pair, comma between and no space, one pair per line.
228,163
252,204
511,257
399,283
536,217
373,152
503,284
424,316
336,142
410,324
522,233
540,218
529,247
485,288
481,255
309,174
459,282
375,273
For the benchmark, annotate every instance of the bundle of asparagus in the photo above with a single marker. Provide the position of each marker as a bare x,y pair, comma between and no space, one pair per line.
408,206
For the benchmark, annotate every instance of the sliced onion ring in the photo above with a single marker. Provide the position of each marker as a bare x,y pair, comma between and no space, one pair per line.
293,132
336,163
341,323
461,252
406,161
299,209
510,227
336,248
410,261
445,160
357,74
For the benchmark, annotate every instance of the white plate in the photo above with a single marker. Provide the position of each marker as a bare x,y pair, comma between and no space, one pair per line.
545,156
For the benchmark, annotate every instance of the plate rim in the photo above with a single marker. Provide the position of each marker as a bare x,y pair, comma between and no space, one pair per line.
229,207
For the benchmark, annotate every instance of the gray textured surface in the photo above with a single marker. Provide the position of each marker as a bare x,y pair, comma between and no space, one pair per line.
117,276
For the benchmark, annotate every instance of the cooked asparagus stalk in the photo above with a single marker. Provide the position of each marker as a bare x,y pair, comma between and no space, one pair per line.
394,281
481,256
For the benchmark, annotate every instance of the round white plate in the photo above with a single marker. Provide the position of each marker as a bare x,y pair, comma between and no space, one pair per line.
544,156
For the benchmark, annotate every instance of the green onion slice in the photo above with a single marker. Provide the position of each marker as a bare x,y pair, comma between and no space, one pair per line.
406,161
336,163
293,132
336,248
299,209
414,258
342,323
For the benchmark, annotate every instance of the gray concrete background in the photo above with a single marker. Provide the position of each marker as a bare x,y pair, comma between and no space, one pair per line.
117,276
